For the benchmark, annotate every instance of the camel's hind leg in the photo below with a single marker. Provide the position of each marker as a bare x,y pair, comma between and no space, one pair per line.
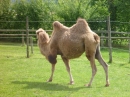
66,61
91,58
103,63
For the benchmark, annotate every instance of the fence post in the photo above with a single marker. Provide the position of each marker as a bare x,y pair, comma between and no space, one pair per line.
109,39
23,43
27,36
102,40
31,44
129,48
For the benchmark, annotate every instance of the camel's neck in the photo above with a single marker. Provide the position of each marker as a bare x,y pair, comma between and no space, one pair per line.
44,48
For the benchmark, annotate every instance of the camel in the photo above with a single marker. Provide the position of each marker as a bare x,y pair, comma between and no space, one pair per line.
71,42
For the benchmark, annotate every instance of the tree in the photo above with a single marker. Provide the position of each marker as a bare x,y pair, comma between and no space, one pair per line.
123,13
6,14
119,11
4,5
70,10
36,10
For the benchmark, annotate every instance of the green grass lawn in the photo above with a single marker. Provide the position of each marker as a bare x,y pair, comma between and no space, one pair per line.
26,77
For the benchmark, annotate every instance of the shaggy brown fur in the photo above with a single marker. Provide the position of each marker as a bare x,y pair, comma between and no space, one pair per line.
71,42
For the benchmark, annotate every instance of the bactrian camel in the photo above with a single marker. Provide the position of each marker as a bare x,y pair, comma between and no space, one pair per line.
71,42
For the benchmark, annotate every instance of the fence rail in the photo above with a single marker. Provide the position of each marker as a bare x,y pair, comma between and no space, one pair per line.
22,30
18,30
102,37
26,33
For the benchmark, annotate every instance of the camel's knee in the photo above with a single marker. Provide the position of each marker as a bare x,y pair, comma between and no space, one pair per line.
52,59
103,63
106,65
93,66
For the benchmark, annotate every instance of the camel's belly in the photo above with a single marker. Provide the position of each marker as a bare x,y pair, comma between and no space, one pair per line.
71,46
72,55
71,51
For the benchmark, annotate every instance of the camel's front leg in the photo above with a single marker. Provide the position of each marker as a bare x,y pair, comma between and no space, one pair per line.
66,61
52,60
52,72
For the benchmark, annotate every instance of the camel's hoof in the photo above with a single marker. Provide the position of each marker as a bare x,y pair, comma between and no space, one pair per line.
107,85
87,85
71,83
49,80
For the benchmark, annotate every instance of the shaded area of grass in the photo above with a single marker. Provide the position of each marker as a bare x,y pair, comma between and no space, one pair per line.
26,77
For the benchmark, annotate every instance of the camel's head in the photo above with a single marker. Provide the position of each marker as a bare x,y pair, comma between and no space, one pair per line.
42,36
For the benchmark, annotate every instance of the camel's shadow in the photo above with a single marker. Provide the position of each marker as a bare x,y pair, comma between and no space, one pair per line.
47,86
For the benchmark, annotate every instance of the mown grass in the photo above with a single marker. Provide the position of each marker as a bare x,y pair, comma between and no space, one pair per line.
26,77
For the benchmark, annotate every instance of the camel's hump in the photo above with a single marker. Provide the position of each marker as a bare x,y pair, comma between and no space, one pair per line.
57,24
82,21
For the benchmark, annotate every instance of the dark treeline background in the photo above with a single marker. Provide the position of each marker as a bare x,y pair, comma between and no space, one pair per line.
42,13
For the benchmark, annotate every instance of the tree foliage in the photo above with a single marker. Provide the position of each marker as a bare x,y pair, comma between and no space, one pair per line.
70,10
120,12
36,10
42,11
4,6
